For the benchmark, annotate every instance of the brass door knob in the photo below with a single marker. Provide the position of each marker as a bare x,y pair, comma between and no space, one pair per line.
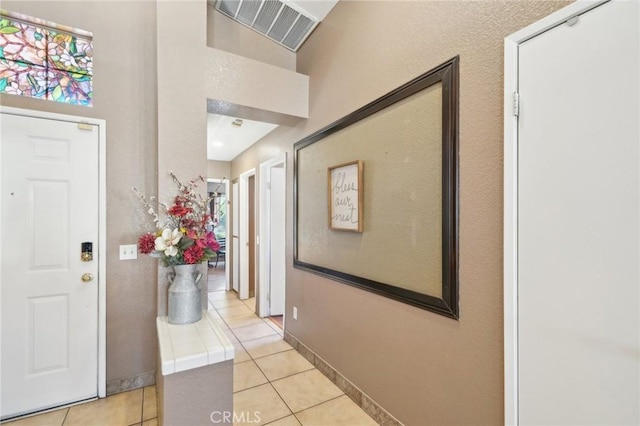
87,277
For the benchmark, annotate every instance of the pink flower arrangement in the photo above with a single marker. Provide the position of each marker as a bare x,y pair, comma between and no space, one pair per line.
183,238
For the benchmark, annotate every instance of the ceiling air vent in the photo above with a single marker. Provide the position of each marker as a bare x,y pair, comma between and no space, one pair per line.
282,23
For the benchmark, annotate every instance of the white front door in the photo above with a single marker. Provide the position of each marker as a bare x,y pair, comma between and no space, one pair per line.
277,259
50,207
578,221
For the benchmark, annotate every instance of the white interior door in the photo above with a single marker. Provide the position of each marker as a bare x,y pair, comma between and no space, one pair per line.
277,264
50,206
578,221
236,236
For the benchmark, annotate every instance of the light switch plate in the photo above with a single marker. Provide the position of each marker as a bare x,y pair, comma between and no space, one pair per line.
128,251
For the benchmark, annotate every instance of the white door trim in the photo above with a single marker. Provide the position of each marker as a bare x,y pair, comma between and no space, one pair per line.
511,46
234,248
227,273
102,228
265,230
244,231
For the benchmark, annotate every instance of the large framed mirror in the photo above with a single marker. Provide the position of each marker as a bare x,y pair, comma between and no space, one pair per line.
406,247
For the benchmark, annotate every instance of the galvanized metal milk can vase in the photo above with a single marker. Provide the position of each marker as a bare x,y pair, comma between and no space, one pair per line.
185,295
182,240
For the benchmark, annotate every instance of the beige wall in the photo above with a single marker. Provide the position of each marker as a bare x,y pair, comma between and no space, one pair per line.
125,96
182,106
422,367
218,169
225,34
240,81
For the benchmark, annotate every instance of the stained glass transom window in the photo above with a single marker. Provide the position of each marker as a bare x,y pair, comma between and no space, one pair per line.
45,62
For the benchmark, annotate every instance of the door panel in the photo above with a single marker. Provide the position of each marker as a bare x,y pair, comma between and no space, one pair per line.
579,221
49,315
48,324
48,235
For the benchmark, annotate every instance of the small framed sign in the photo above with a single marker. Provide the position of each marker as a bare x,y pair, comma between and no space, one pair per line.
346,197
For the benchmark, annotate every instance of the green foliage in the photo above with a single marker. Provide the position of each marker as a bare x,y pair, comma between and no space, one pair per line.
9,30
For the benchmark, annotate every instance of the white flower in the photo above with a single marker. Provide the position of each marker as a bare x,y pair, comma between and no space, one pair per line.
167,241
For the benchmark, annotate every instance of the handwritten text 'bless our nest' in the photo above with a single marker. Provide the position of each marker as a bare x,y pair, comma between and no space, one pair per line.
344,207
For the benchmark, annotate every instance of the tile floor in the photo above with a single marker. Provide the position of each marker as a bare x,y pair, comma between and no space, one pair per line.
136,407
273,384
216,278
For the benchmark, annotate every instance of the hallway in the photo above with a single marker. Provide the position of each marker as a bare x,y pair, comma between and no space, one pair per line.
273,384
274,380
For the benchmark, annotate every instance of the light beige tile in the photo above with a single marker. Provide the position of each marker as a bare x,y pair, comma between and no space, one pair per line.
287,421
119,409
213,313
149,405
53,418
253,331
218,295
247,375
226,303
275,327
251,303
267,345
232,337
223,325
306,389
283,364
151,422
272,322
234,311
240,354
337,412
243,320
258,405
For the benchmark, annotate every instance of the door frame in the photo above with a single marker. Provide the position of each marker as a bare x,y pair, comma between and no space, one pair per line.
227,187
232,250
510,243
264,308
243,192
102,226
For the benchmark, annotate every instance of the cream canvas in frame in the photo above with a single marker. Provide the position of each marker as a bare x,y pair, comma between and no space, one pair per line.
345,196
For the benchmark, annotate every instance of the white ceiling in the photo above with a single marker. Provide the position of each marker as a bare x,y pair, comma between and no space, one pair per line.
226,141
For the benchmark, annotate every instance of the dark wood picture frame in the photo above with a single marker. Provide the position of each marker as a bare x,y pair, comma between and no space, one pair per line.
447,75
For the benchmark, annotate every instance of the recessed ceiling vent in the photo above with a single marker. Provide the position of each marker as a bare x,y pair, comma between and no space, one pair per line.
280,22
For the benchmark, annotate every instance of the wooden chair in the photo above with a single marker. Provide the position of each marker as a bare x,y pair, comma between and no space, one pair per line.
222,251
